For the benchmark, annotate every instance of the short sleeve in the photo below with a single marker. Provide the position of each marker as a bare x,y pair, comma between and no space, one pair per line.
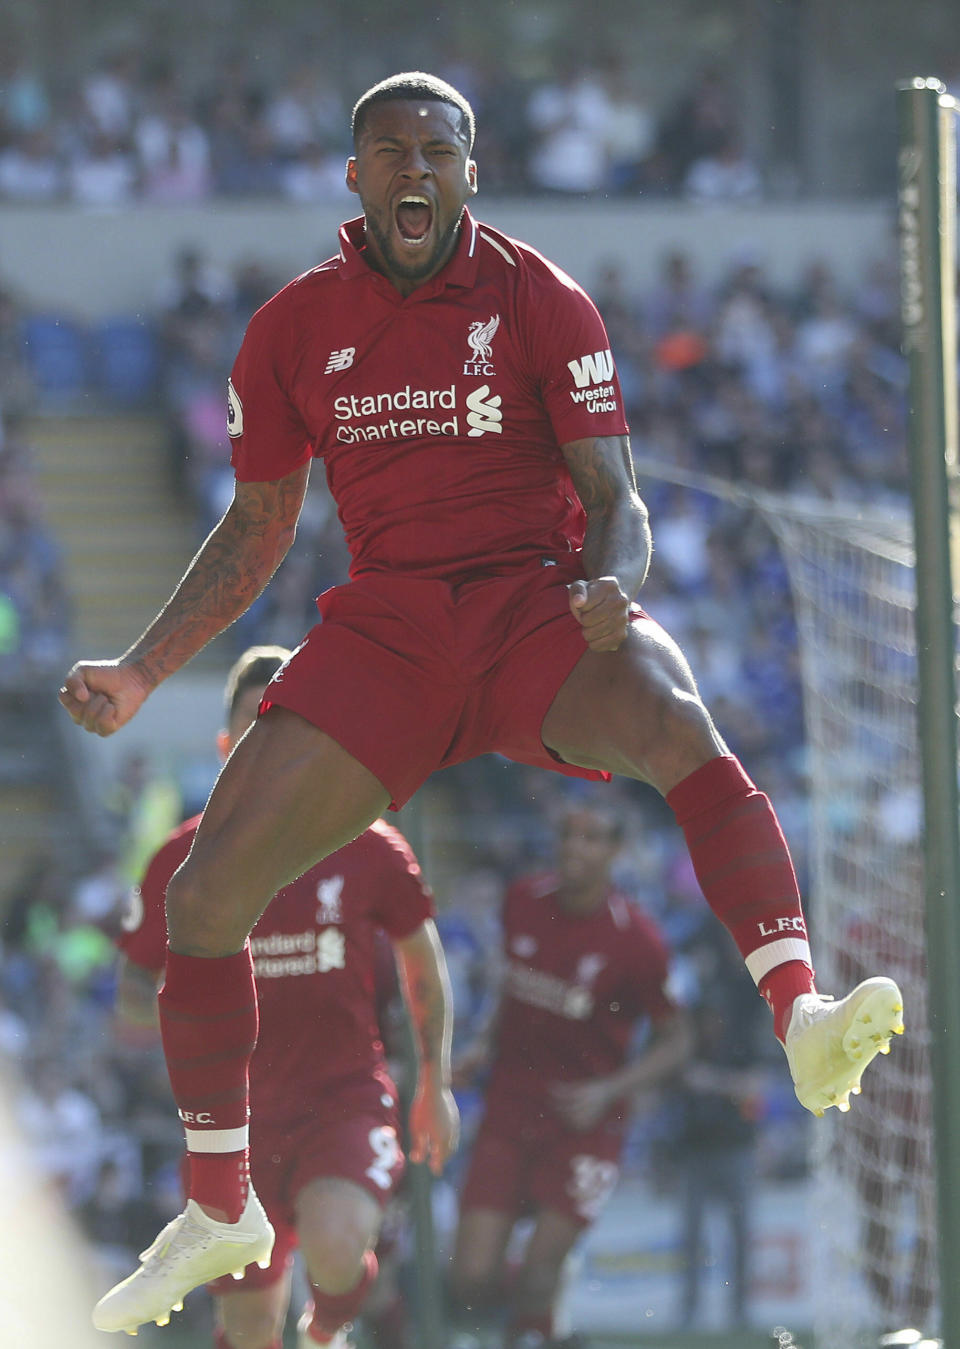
402,899
268,439
572,360
143,927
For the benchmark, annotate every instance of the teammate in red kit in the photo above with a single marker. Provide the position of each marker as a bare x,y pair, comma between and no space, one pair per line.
582,966
326,1156
461,392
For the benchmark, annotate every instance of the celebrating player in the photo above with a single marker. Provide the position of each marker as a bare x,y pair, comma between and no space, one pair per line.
582,965
461,392
326,1157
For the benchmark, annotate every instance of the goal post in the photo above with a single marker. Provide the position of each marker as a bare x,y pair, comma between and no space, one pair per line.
927,232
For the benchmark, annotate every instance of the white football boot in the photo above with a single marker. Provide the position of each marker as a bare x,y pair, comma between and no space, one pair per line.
830,1043
305,1340
191,1250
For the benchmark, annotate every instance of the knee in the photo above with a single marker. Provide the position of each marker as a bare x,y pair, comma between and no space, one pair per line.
199,922
334,1258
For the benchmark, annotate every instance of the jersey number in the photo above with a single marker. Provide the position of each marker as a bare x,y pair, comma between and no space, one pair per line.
591,1183
386,1156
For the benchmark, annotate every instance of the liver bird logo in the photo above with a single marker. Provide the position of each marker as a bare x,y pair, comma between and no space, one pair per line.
480,337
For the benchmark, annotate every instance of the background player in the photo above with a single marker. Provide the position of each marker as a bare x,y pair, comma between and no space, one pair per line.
326,1157
582,965
463,395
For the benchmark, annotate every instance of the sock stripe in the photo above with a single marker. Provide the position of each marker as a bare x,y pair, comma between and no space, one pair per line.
200,1061
186,1015
206,1099
754,861
774,906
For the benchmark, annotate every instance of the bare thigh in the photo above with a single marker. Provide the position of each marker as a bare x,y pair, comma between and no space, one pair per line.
481,1244
255,1319
635,712
287,797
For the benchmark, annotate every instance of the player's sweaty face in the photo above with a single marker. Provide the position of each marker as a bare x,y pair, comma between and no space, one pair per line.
413,174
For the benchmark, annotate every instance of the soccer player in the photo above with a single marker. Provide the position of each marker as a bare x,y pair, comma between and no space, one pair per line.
462,395
581,967
326,1157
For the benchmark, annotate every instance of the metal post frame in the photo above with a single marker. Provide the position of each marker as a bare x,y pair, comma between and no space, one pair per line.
927,214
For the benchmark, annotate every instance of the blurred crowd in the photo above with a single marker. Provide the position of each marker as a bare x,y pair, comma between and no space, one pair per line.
133,128
800,392
34,601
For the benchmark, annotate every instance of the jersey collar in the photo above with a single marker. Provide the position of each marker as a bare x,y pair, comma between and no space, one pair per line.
461,270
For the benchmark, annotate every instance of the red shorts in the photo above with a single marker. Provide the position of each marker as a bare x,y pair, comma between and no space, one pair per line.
360,1144
522,1167
412,675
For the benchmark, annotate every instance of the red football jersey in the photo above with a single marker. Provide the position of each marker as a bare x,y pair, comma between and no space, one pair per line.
438,415
314,959
574,987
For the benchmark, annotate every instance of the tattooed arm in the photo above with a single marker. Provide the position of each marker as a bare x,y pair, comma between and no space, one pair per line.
434,1120
616,547
231,569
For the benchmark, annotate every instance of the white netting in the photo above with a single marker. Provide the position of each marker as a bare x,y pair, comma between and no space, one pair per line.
874,1196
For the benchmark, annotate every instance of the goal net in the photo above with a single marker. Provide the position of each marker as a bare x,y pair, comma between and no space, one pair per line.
872,1231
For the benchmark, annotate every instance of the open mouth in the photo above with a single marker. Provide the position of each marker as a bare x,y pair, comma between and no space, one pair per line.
414,216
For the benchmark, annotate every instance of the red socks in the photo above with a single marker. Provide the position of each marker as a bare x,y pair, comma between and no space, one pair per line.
208,1023
741,860
333,1310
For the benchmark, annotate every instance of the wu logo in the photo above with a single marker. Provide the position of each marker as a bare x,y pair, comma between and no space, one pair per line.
480,337
340,360
596,368
484,414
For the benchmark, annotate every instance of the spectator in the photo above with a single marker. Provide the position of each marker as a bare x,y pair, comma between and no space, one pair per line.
568,120
30,170
110,94
727,174
63,1127
173,150
104,174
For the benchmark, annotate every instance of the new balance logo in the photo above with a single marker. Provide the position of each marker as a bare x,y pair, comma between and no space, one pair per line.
340,360
484,414
595,368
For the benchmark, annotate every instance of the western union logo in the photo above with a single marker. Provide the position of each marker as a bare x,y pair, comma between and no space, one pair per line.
596,368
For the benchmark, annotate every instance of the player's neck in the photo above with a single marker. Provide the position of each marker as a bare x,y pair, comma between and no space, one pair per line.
580,901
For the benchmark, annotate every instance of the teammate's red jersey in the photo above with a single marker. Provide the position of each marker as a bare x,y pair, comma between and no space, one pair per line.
439,415
574,987
314,959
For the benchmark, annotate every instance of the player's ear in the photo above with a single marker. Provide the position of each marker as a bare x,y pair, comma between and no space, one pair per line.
223,745
471,177
352,174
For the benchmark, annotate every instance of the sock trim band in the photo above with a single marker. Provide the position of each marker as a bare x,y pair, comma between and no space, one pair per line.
766,958
218,1140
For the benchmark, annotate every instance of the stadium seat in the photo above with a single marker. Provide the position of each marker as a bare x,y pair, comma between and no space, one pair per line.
56,349
126,360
